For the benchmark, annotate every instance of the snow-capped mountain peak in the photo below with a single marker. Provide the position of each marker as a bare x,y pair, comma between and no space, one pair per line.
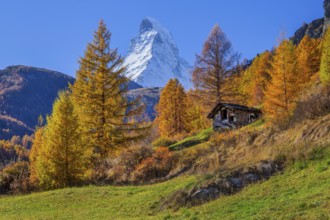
153,57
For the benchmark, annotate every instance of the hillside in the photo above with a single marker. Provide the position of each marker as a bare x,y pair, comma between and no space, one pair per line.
150,98
27,92
301,192
250,140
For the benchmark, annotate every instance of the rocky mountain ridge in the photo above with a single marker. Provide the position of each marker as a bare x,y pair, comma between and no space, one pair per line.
316,28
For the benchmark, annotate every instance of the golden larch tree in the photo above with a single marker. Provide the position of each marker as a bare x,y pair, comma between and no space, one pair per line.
196,113
99,94
282,91
172,114
37,144
325,61
213,66
60,161
256,78
308,55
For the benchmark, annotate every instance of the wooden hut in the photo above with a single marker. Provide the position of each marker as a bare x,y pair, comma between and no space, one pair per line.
229,116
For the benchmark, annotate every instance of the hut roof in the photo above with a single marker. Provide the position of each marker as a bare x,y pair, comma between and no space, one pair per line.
231,106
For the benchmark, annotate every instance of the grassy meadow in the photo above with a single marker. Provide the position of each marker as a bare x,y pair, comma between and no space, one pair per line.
301,192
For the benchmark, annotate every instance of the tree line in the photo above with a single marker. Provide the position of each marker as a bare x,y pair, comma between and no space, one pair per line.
89,122
93,121
274,82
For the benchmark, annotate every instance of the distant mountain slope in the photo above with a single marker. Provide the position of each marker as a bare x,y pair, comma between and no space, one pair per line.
154,58
150,97
27,92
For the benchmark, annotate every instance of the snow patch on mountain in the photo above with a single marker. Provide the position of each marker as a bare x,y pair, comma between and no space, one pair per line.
153,57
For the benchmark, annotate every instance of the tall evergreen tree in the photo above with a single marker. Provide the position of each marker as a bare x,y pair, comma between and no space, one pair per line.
281,94
325,61
99,94
172,114
213,66
60,160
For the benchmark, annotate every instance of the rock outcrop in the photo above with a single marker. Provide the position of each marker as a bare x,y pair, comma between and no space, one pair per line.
316,28
326,6
223,185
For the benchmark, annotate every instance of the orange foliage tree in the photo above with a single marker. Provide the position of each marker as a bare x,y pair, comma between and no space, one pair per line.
213,66
256,78
281,94
172,114
308,55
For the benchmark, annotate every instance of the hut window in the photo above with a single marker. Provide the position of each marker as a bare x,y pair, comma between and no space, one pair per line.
231,118
252,117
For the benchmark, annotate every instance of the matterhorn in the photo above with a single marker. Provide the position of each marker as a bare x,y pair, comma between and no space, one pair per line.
153,57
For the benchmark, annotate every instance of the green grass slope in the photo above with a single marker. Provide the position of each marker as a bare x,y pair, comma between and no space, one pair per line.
91,202
193,140
302,192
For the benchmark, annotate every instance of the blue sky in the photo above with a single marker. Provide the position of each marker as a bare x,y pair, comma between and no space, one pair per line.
53,34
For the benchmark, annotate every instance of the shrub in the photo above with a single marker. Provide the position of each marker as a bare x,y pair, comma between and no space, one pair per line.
188,157
137,165
10,152
120,169
315,104
98,173
14,179
156,166
191,158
